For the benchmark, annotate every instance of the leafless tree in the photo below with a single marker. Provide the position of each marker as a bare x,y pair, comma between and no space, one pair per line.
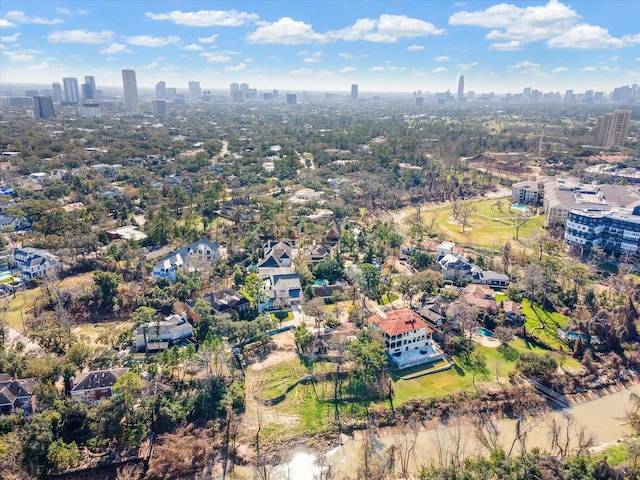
406,445
466,209
518,222
486,431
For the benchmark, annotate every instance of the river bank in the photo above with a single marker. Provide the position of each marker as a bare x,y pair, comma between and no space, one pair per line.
602,418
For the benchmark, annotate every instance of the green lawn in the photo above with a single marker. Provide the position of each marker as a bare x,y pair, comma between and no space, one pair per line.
549,321
488,227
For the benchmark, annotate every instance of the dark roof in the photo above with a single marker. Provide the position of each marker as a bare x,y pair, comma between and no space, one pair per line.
97,379
225,299
24,386
5,377
6,397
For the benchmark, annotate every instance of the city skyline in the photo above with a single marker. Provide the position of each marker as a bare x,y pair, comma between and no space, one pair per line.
381,46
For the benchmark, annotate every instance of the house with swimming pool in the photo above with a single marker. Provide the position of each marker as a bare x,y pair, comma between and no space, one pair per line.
408,339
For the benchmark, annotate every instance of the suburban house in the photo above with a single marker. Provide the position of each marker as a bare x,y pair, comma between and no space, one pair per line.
91,387
407,338
482,297
32,262
282,285
197,256
8,222
453,267
315,253
16,395
512,311
490,278
160,335
224,300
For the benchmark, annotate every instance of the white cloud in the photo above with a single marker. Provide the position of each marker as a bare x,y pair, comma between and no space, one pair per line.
615,58
311,60
347,70
18,56
385,29
151,66
559,70
376,69
415,48
209,39
20,17
10,38
80,36
525,24
440,70
115,48
442,58
467,66
346,56
66,11
589,69
206,18
151,41
236,68
194,47
39,66
302,71
525,64
588,37
326,73
511,46
216,57
513,26
4,23
285,31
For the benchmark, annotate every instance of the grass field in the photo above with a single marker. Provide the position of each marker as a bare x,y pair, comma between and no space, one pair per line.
550,321
488,227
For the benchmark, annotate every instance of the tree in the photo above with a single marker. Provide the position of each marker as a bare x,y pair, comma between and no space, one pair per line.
161,226
106,288
177,199
536,366
518,222
369,280
302,336
63,456
465,210
371,362
254,290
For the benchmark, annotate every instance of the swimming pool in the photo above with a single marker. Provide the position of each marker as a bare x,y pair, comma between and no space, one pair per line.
5,276
484,332
521,208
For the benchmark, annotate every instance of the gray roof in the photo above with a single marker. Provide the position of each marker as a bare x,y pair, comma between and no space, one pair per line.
97,379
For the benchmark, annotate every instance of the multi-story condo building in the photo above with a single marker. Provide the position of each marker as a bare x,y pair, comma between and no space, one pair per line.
43,107
614,230
611,130
71,90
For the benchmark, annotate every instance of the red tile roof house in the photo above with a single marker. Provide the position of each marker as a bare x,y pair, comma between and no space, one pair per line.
407,338
482,297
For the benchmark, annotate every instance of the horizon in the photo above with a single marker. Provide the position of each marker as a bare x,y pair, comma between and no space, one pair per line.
381,46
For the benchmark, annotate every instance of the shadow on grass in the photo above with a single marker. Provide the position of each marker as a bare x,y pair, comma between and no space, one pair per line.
459,370
508,353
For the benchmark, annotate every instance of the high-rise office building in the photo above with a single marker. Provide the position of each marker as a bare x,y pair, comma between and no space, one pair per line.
236,95
159,107
195,92
354,92
131,102
90,110
461,87
71,90
611,130
161,89
89,88
43,107
292,99
56,92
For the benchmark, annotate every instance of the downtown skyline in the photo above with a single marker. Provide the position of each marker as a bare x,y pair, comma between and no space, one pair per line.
326,45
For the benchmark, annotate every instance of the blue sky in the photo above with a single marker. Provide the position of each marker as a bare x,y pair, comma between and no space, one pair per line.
551,45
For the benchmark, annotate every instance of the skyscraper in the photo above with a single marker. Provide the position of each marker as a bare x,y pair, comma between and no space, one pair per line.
89,88
354,92
611,130
71,90
131,102
56,90
43,107
161,89
194,90
292,99
159,107
461,87
236,95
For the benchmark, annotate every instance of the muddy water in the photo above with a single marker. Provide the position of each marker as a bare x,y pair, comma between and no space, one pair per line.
602,418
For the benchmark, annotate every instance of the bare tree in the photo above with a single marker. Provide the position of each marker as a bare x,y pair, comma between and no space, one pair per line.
431,221
406,446
466,209
486,431
518,222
